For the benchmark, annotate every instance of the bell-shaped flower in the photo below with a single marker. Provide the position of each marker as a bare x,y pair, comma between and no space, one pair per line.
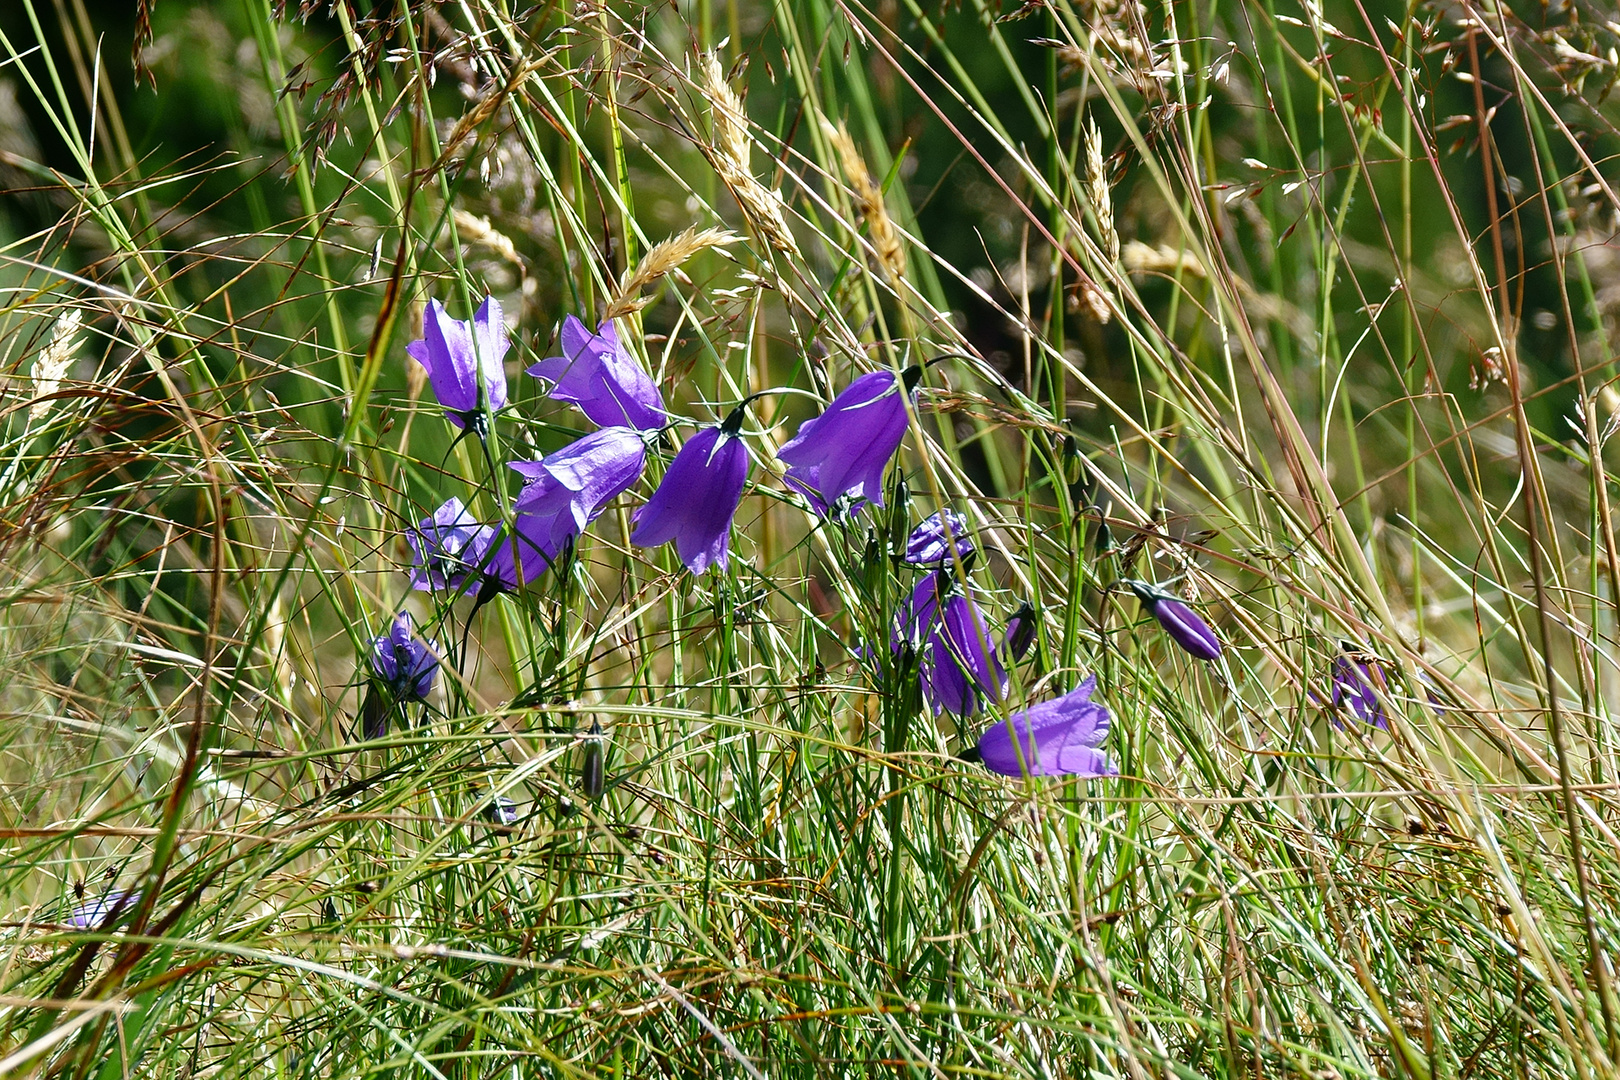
1355,688
403,662
698,498
461,357
956,656
1181,622
564,492
448,546
501,811
599,375
104,911
1055,738
934,539
842,454
1020,633
403,669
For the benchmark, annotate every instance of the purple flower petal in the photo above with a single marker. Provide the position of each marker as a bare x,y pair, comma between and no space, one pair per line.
1181,622
455,362
932,541
566,491
1055,738
107,909
845,450
447,546
957,662
1354,687
403,661
1020,633
696,501
599,375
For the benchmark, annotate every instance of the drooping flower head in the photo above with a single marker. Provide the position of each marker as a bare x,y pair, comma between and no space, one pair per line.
403,662
564,493
1355,687
404,669
698,497
599,375
105,910
1055,738
842,454
1020,633
956,656
449,547
459,357
933,540
1184,625
501,811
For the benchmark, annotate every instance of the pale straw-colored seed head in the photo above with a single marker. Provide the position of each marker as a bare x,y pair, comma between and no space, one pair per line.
1096,302
729,152
53,362
869,197
1140,258
480,231
1099,193
662,258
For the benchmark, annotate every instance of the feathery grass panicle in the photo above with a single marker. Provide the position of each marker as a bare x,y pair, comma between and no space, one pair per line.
663,258
1099,192
478,229
731,151
880,230
54,361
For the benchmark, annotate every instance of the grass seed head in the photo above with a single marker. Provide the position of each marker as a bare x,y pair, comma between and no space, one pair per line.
53,362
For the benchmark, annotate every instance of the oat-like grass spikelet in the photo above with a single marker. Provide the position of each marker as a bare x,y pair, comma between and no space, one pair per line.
879,226
1140,258
663,258
1099,193
53,362
480,231
729,151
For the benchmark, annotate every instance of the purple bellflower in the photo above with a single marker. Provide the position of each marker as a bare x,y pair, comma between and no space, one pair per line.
1181,622
403,662
449,547
844,451
698,497
1020,633
106,909
1355,686
596,373
564,493
932,541
459,357
404,669
1055,738
957,661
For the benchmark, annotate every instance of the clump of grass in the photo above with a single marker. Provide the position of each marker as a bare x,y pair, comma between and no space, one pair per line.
1299,312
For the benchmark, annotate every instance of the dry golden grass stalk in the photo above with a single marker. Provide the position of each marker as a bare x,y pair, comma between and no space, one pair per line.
1099,193
661,258
729,153
879,226
1139,258
480,231
485,107
53,362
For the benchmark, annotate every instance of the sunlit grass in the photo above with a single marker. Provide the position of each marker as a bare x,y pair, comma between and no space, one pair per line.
1305,313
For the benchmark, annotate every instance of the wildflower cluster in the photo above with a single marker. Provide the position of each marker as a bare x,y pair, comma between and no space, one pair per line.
836,461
